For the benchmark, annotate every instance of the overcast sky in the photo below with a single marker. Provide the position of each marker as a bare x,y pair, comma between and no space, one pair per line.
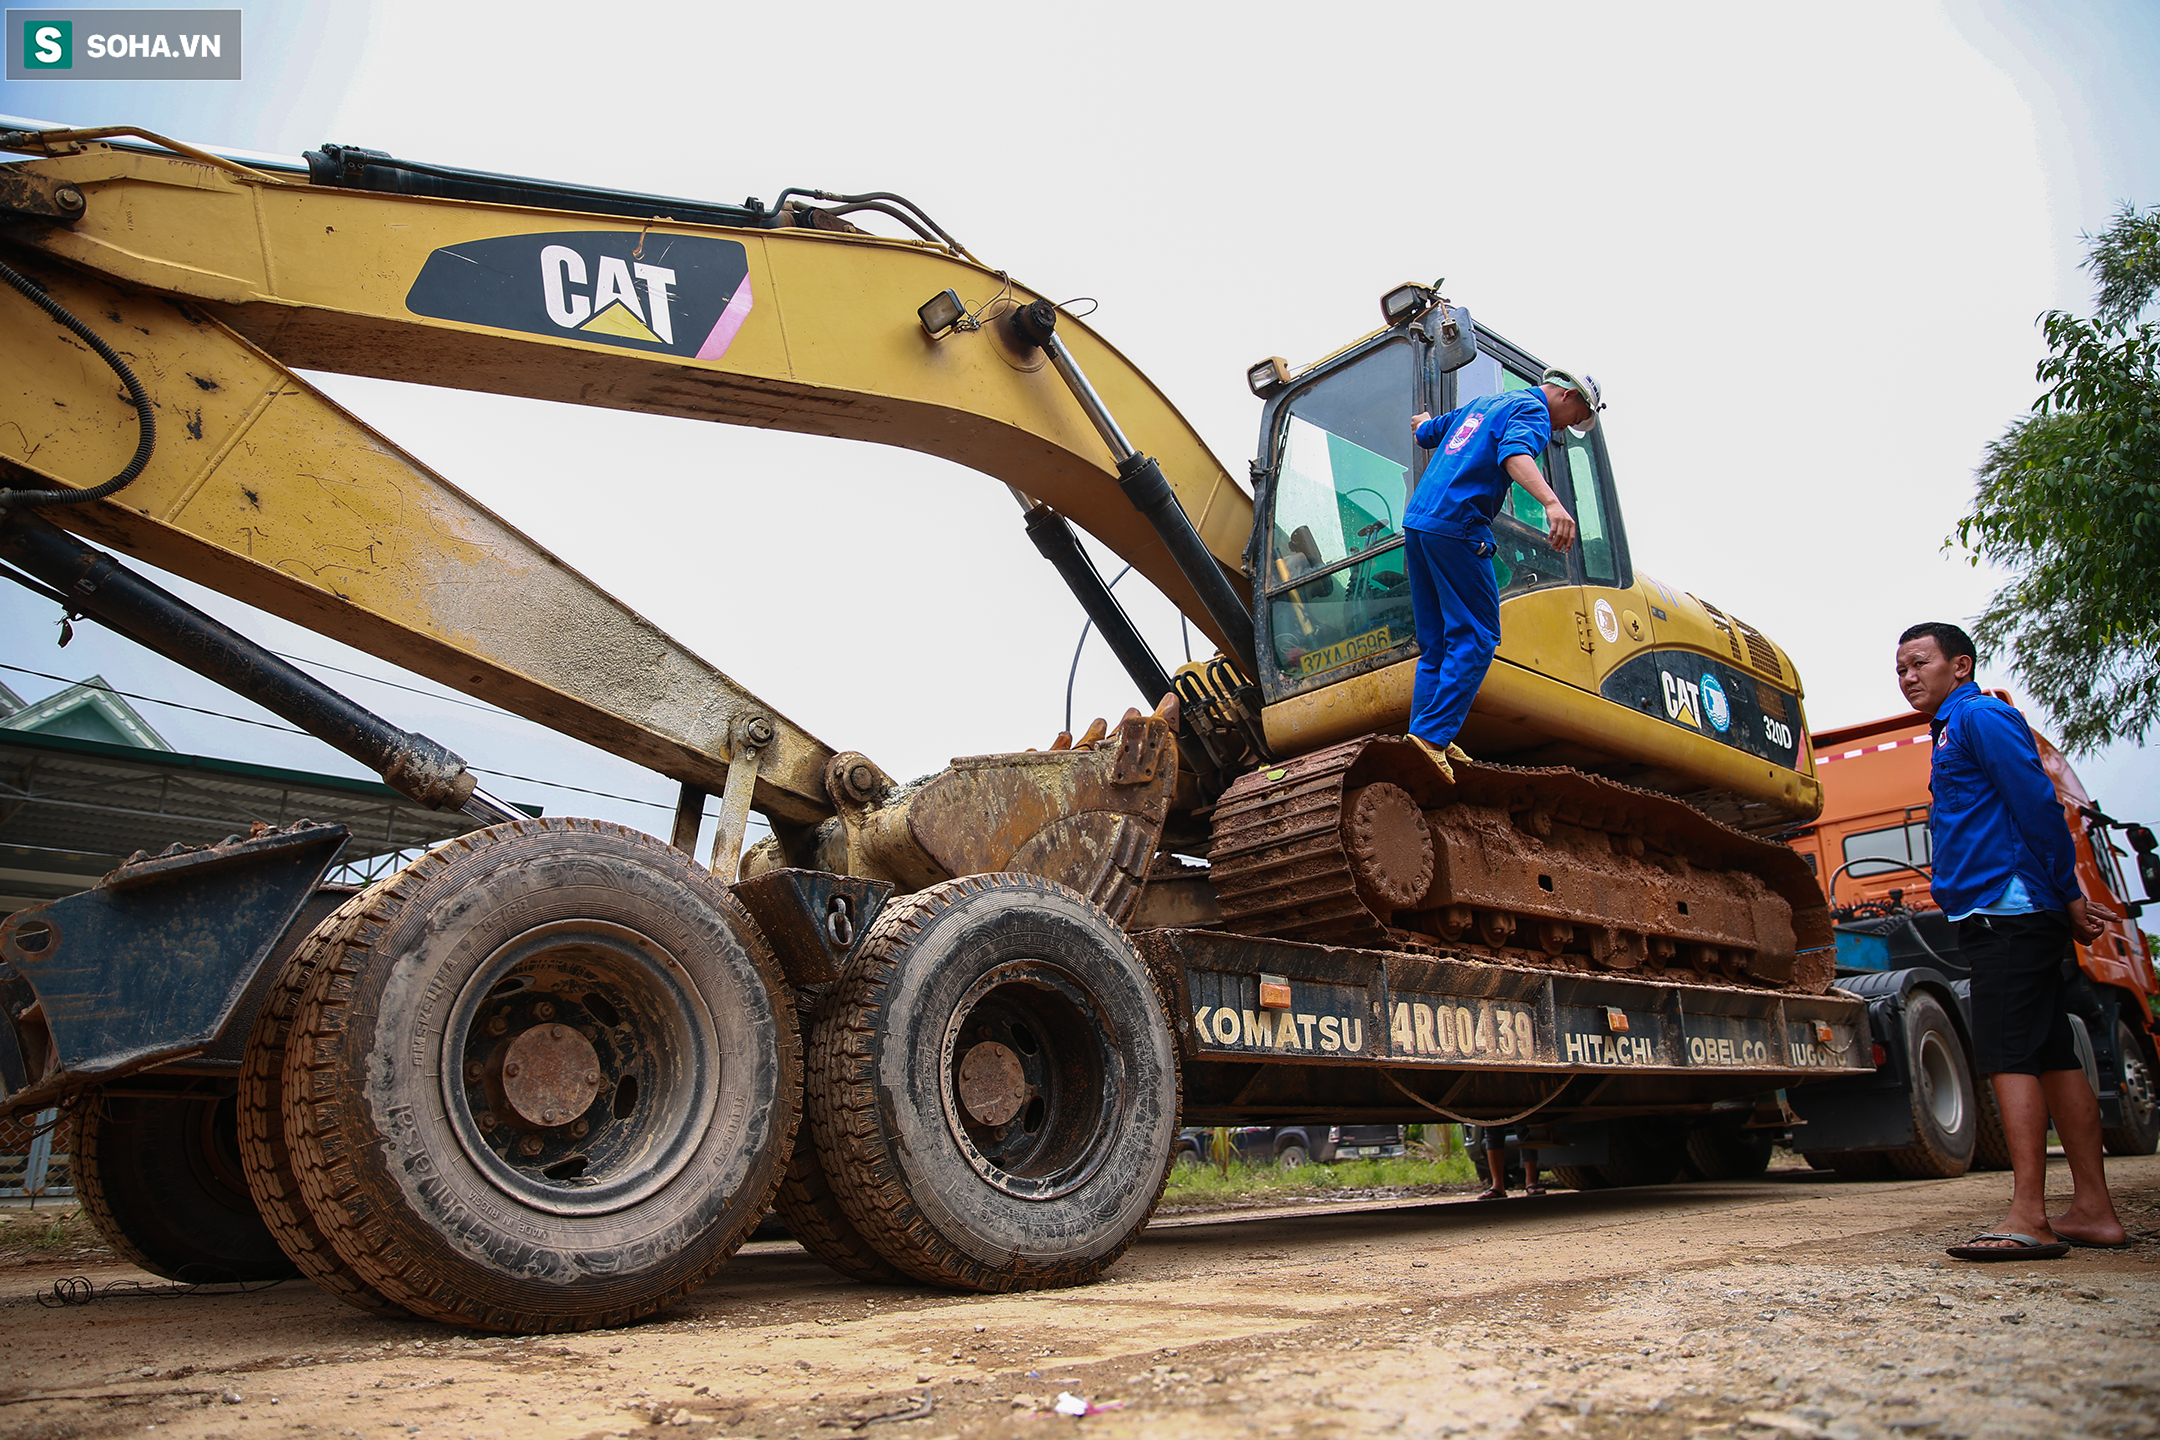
1802,248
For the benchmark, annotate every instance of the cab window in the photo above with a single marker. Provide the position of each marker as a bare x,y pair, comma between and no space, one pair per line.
1523,555
1483,376
1888,850
1346,459
1601,566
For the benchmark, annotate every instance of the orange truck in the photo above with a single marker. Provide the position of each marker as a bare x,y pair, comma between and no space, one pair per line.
1870,852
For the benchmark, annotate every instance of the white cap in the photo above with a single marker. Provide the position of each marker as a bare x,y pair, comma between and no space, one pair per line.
1584,385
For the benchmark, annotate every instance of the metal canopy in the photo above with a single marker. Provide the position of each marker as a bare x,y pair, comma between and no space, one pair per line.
70,810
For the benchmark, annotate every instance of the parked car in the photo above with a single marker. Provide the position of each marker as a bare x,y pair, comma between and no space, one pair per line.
1295,1144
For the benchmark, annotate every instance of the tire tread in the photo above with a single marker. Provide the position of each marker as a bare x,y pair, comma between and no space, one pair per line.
1924,1159
841,1101
316,1120
264,1151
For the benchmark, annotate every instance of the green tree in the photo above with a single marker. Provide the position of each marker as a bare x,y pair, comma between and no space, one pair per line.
2069,501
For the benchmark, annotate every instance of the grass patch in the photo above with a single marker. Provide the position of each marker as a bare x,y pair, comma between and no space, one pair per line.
1206,1185
46,1233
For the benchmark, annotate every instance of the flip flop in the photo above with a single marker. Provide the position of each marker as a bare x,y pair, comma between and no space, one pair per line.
2071,1240
2026,1248
1535,1190
1493,1195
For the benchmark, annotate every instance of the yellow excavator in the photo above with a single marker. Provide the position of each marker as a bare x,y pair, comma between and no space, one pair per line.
550,1074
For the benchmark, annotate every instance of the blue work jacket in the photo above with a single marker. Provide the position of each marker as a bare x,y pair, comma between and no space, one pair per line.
1995,816
1460,491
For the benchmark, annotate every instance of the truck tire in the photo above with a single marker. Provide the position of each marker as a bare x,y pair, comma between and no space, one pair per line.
811,1211
805,1203
1576,1177
1726,1152
545,1079
1292,1155
161,1180
1644,1152
2139,1134
265,1157
1945,1111
994,1090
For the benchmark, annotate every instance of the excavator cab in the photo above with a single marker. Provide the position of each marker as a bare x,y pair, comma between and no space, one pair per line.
1337,469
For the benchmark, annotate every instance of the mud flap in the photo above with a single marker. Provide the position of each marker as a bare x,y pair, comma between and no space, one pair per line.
154,962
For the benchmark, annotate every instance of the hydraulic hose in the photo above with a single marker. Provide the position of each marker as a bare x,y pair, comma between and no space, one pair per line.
144,444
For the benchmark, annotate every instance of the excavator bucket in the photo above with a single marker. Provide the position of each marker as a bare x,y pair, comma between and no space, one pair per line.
1089,816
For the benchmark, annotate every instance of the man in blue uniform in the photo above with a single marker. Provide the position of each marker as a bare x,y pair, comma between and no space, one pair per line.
2006,871
1478,450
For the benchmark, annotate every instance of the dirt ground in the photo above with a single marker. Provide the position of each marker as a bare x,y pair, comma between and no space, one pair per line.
1797,1305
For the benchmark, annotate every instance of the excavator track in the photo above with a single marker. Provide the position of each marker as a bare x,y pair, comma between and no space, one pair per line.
1368,844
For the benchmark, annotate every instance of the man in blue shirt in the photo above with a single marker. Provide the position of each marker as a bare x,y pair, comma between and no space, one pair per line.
1479,450
2005,870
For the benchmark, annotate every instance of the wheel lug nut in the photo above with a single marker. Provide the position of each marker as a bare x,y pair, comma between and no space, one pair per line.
497,1025
592,1078
530,1145
545,1010
579,1129
487,1120
472,1070
511,1070
556,1032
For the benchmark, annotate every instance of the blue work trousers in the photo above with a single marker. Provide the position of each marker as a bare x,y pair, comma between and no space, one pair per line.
1457,605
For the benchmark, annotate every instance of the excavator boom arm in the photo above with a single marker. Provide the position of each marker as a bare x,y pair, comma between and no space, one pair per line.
219,281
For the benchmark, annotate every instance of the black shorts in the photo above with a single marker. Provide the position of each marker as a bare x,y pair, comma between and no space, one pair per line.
2020,1025
1495,1137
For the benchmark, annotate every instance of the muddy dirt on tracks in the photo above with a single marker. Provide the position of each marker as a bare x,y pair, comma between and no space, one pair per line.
1797,1305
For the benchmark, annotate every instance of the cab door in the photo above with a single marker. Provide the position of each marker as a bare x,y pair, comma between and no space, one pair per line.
1614,621
1335,597
1543,618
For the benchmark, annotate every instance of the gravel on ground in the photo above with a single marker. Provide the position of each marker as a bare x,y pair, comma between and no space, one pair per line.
1798,1305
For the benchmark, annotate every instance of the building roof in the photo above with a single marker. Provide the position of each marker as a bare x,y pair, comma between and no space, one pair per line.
90,710
72,809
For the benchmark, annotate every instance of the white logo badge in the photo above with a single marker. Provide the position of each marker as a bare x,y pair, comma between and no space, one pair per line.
1608,624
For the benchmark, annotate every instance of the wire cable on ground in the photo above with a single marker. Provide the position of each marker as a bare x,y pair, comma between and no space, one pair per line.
78,1290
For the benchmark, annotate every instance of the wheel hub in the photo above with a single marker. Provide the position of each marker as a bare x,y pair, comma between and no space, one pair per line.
1939,1088
551,1074
2137,1086
1034,1080
992,1084
581,1068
